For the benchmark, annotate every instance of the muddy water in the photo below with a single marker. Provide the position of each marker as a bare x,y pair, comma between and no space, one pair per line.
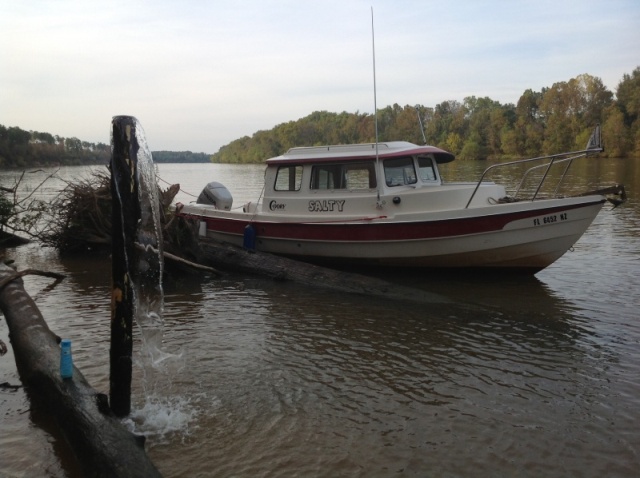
519,377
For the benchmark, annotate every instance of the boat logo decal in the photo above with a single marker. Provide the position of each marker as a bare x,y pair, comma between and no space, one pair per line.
276,206
326,205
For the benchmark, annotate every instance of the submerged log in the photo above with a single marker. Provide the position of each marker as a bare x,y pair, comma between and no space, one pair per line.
281,268
101,443
183,239
8,239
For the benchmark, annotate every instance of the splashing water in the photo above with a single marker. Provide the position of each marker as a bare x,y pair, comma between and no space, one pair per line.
148,292
162,416
163,411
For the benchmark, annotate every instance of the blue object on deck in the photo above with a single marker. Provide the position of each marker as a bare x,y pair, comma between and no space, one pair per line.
249,242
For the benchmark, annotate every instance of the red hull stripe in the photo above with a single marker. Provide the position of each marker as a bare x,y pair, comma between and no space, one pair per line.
375,231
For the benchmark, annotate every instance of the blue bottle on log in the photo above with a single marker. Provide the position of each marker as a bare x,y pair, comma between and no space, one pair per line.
66,360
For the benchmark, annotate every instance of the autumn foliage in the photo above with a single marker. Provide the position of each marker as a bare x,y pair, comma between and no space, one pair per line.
553,120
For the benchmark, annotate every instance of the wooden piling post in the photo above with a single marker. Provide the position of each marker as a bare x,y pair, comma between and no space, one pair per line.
126,213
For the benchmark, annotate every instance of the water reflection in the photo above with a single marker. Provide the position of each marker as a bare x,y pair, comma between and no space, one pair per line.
273,373
517,377
294,369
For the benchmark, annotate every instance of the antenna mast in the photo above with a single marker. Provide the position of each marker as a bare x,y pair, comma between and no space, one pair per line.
424,138
375,105
375,102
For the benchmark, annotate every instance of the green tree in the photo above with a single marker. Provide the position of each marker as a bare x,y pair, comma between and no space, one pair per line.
615,134
404,125
509,142
595,99
529,124
552,120
73,145
42,138
454,143
17,136
485,121
449,117
571,110
473,147
628,101
628,96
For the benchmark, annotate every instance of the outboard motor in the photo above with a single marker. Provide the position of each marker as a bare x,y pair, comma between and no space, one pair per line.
217,195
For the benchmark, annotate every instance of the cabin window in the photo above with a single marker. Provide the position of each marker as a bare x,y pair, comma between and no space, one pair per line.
399,171
327,176
343,176
425,168
289,178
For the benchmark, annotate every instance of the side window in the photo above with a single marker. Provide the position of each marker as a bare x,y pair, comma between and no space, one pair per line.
289,178
360,176
344,176
426,169
399,171
327,176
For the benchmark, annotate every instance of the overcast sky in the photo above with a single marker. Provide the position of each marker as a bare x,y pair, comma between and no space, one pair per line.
199,74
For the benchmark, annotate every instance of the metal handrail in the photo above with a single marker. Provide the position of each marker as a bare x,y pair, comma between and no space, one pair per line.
548,165
554,159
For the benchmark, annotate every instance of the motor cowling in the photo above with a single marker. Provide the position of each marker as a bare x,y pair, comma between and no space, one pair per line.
216,195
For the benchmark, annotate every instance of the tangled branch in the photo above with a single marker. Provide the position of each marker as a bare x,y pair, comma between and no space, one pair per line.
22,214
80,215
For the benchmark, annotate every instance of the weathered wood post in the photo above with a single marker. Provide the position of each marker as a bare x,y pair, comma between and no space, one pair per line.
126,213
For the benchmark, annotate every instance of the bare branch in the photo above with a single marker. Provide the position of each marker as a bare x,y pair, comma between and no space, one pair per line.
38,186
17,275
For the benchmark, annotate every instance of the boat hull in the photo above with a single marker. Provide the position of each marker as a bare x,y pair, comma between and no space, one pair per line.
524,236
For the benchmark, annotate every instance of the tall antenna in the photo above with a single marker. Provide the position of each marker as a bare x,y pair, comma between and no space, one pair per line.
424,138
375,101
375,104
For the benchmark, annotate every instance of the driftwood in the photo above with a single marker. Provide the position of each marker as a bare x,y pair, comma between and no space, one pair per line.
5,280
8,239
225,256
189,265
101,443
81,214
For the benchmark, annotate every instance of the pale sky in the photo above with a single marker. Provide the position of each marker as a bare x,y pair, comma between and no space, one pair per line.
200,74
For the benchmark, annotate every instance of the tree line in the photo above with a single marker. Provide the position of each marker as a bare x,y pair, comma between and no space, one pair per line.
20,148
180,157
556,119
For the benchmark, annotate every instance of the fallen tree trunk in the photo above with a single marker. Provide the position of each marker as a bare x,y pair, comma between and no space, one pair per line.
11,240
229,257
101,443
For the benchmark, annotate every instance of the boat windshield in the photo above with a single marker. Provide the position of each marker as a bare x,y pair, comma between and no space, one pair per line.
426,169
399,171
343,176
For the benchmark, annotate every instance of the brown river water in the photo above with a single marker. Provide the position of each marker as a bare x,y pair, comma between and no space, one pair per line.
518,376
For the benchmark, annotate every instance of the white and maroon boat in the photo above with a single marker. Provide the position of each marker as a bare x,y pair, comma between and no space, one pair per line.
386,204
